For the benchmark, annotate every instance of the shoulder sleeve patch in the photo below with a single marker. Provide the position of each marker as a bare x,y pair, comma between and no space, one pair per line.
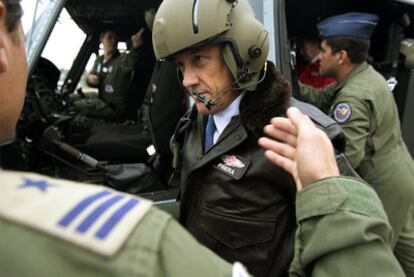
90,216
342,112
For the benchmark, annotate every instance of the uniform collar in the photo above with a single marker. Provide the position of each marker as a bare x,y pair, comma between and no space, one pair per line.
363,66
223,118
111,59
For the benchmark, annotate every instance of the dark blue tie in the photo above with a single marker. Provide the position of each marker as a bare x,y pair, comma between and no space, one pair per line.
209,134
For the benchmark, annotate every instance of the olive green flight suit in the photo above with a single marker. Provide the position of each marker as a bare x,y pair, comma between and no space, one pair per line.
342,231
115,84
365,108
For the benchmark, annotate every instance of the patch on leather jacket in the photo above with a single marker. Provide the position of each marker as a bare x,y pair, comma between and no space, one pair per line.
232,165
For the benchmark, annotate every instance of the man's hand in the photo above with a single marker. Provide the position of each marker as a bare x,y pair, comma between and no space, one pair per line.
302,149
93,80
137,39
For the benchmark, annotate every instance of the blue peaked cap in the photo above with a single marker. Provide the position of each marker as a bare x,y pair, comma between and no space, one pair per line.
358,25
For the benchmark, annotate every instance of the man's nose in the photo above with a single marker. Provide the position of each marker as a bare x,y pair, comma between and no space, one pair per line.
190,78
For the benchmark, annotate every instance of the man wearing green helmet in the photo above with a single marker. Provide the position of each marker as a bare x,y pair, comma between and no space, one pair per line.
233,200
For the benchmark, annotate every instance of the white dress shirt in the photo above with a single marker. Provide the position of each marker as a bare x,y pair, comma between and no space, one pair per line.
223,118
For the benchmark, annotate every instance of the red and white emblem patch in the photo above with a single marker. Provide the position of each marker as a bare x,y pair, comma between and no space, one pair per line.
232,165
232,161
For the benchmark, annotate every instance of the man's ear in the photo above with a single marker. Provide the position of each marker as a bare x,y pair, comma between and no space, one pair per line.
343,55
4,60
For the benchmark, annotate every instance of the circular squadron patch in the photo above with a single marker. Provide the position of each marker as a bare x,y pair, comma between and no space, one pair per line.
342,112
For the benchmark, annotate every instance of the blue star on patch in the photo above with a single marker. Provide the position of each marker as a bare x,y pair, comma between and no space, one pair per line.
342,112
42,185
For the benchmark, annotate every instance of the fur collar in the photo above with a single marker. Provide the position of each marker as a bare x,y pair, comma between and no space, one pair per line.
270,99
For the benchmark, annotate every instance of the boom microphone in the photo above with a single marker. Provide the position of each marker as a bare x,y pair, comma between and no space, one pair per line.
209,103
201,98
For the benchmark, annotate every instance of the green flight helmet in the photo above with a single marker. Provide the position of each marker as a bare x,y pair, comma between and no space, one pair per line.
185,24
407,50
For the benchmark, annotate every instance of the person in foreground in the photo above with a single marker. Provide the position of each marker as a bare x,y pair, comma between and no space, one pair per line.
52,227
232,199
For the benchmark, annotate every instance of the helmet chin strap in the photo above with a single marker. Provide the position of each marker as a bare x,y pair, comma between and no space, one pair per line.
210,103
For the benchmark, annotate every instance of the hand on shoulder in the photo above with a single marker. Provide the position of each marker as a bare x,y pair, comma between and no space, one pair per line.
296,145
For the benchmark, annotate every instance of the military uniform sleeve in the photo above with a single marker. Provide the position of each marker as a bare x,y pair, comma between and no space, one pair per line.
356,128
320,98
342,231
182,255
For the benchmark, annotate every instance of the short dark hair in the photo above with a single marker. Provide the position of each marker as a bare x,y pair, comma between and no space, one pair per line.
14,13
356,48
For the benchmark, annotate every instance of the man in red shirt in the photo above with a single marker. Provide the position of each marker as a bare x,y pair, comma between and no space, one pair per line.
308,73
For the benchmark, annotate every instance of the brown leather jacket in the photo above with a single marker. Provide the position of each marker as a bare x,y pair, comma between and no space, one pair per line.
233,200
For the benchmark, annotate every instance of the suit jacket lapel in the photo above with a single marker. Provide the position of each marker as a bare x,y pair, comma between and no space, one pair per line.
233,135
